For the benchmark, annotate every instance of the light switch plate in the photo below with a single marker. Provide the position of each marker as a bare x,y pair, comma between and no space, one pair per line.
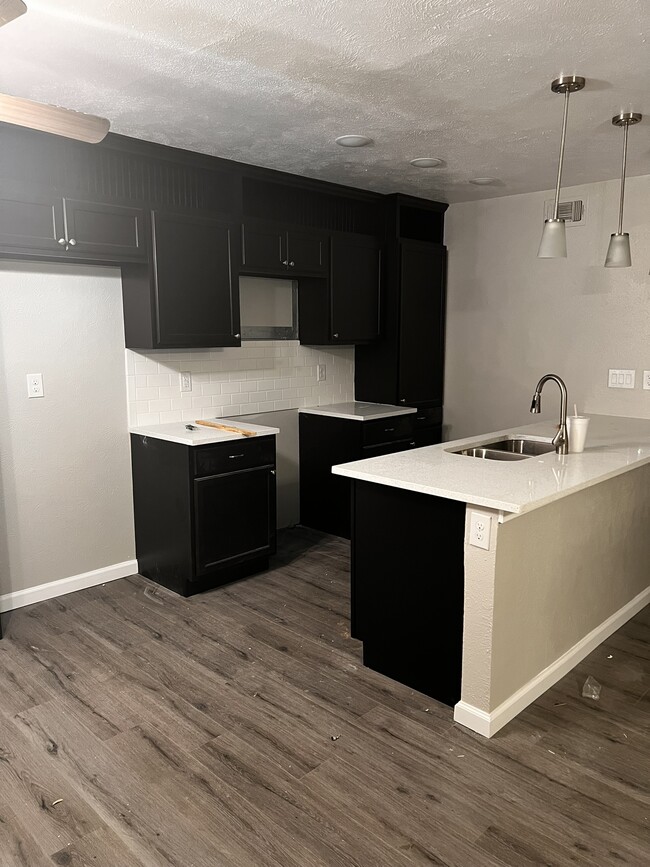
646,379
621,378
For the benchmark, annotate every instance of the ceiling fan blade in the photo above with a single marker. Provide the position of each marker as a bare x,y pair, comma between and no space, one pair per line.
53,119
10,9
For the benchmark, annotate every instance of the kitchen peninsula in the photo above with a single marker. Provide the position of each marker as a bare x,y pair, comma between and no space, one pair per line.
559,558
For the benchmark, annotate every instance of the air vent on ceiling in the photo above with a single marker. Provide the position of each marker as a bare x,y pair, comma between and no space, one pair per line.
572,212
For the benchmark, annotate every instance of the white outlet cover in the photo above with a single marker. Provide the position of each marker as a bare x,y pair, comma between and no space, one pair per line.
480,527
646,379
35,385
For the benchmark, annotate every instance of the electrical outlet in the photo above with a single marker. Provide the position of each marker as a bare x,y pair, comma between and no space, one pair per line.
186,380
35,385
321,373
480,526
621,378
646,379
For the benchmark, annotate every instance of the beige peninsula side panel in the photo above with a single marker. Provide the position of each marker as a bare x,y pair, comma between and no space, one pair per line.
563,569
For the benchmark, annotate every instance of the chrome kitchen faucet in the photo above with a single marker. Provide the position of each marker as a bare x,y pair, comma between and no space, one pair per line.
560,440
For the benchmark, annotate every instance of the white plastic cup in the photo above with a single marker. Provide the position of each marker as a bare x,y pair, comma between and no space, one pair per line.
577,426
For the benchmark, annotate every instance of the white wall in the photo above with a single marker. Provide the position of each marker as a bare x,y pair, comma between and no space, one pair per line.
261,376
512,317
64,458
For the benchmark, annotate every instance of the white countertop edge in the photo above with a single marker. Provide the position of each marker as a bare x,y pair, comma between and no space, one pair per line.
513,509
175,432
328,410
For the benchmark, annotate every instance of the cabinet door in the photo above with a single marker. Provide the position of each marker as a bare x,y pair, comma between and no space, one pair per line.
196,298
421,335
263,249
32,224
307,252
234,518
355,282
97,230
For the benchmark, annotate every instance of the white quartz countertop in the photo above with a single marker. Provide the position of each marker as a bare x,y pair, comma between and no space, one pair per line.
358,411
614,446
176,432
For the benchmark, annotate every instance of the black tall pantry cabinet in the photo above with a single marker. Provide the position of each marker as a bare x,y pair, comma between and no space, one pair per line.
406,367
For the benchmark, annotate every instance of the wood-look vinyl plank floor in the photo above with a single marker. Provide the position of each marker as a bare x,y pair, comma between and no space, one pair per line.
239,728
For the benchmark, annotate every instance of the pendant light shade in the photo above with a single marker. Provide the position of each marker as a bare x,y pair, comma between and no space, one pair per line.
618,252
553,243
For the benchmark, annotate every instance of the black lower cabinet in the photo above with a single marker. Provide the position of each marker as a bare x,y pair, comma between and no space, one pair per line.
326,441
204,515
408,586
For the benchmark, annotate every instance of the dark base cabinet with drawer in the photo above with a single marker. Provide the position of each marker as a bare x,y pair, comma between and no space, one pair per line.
328,440
204,515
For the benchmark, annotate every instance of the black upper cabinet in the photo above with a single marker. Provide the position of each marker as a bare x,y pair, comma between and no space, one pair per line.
421,334
53,227
269,249
345,308
189,297
96,230
355,288
31,224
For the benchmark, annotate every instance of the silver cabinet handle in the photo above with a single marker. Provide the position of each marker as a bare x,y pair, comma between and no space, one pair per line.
235,456
389,429
402,400
291,264
336,335
72,242
62,242
237,335
285,262
272,472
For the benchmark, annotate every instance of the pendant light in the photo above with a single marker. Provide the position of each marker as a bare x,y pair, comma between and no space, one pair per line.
553,243
618,252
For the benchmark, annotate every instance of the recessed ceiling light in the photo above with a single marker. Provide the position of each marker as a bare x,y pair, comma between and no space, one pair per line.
353,141
483,182
426,162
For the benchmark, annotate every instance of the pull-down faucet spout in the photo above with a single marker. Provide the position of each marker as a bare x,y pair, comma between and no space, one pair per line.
560,440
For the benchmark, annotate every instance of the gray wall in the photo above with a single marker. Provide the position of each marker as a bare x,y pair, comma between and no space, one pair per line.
64,458
512,317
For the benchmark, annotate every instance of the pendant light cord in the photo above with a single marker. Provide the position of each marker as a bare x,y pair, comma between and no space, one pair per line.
626,127
556,209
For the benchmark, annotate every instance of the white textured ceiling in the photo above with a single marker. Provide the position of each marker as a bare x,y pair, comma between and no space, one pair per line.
273,82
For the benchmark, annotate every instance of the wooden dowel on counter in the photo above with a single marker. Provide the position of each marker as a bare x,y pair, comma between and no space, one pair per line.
239,430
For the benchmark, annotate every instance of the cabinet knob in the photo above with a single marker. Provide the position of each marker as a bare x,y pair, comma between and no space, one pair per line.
272,472
402,400
291,264
72,242
285,261
237,336
62,242
336,335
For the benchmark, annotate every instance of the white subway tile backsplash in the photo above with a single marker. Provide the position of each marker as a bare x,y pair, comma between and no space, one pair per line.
261,376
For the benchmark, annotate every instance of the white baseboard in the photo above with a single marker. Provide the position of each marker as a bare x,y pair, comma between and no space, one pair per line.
488,724
41,592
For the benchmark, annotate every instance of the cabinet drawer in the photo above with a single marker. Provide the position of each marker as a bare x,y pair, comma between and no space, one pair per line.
425,418
387,448
387,429
234,455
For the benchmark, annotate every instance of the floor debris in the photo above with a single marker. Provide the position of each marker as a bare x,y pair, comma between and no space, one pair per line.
591,688
58,801
335,737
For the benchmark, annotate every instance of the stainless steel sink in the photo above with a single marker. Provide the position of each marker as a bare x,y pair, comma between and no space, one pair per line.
490,454
513,449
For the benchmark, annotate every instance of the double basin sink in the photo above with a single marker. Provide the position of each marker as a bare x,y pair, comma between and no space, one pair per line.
512,449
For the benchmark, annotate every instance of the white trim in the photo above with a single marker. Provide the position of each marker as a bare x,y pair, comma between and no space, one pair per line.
488,724
41,592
